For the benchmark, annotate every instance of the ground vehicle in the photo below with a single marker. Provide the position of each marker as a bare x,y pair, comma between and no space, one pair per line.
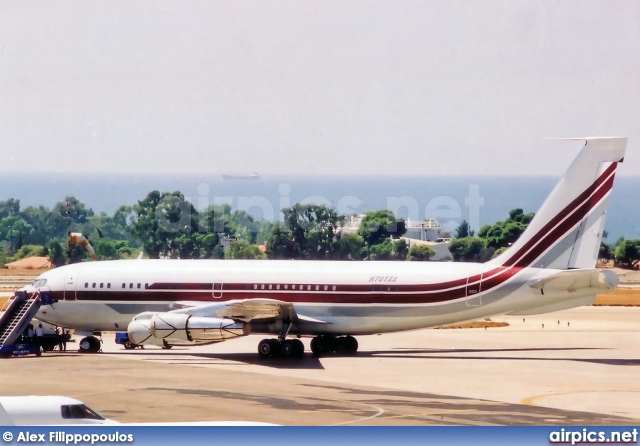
20,349
123,338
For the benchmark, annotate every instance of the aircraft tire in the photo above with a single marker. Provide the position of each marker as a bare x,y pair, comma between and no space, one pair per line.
292,348
341,346
128,346
323,345
316,346
298,348
352,345
268,348
89,344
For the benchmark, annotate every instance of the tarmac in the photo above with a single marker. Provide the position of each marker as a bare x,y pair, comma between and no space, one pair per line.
575,367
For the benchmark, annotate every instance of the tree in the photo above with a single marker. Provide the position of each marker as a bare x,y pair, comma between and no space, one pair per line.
389,250
57,253
166,225
309,232
281,244
468,249
421,253
241,249
504,233
9,208
605,253
379,225
627,253
351,247
464,230
108,249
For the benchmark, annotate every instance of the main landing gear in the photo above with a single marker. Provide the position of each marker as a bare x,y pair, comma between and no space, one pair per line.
320,346
289,348
328,345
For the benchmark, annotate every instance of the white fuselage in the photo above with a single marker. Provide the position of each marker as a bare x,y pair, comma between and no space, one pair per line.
349,297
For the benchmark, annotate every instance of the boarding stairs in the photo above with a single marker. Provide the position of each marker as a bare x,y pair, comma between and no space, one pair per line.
16,318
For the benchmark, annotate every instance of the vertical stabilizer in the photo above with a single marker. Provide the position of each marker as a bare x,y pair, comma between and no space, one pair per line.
566,232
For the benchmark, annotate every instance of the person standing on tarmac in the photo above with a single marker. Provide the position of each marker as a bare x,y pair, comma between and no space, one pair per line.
39,334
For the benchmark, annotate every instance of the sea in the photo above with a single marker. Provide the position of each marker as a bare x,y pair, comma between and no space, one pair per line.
479,200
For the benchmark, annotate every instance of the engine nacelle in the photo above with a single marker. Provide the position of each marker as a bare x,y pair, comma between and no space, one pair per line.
181,328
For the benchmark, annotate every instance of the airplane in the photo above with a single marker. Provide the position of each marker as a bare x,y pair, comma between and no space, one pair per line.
551,267
37,410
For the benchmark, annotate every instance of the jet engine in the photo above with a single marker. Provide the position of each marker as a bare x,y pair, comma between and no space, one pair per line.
183,328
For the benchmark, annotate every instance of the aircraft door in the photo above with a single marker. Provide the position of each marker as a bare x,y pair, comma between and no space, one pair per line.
474,287
70,288
217,290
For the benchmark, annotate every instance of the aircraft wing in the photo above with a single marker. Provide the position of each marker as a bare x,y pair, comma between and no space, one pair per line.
577,279
246,310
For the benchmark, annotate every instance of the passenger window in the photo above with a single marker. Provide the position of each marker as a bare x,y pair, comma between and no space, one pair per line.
101,285
317,287
130,285
109,285
93,285
270,286
86,284
124,285
138,286
333,288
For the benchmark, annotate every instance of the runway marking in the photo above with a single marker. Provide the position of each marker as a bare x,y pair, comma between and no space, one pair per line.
529,400
379,409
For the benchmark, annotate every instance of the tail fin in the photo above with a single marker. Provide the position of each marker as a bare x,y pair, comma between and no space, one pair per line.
567,230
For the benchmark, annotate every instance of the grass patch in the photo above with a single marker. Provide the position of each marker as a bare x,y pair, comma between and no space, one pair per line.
477,324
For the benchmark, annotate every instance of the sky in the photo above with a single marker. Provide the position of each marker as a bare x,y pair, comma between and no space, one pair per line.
325,88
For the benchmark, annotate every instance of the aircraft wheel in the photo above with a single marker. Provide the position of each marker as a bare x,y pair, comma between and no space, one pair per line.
128,345
292,348
287,349
323,345
89,344
316,346
352,345
268,347
298,348
341,346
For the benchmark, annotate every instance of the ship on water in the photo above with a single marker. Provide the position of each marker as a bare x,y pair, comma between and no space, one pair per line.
251,176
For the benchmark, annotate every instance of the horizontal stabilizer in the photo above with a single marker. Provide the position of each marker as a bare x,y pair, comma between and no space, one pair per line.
556,306
577,279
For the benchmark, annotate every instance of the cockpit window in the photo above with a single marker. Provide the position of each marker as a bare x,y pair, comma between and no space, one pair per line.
79,411
39,283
